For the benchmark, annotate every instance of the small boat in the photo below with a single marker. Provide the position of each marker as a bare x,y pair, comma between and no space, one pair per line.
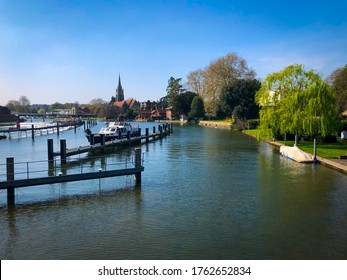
114,130
294,153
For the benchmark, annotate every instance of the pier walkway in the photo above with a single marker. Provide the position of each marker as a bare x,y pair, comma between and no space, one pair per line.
23,174
163,130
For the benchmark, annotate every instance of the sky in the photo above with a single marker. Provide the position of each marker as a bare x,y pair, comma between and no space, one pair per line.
74,51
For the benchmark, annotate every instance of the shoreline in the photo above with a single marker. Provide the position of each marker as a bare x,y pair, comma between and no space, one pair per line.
337,164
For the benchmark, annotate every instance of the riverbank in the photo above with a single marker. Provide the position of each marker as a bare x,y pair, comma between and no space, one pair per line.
216,124
336,163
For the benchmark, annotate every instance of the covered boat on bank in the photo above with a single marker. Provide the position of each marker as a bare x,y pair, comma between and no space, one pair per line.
296,154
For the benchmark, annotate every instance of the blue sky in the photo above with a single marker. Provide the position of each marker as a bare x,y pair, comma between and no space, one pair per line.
67,51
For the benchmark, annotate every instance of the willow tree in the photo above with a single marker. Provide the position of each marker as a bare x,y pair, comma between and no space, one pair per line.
296,101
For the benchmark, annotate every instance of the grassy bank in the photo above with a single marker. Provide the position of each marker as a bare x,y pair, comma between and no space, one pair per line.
326,150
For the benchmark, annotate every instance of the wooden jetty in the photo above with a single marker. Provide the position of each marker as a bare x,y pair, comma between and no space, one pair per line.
54,128
163,130
11,183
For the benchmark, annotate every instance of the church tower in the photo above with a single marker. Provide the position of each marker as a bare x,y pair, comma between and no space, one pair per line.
119,91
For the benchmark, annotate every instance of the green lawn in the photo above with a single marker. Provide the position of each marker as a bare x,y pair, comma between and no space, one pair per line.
326,150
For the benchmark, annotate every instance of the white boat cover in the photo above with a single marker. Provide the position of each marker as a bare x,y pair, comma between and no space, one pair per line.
296,154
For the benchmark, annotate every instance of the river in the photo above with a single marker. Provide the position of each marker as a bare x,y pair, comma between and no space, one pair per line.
206,193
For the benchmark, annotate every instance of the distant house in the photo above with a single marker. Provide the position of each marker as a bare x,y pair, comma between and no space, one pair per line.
158,114
127,104
144,114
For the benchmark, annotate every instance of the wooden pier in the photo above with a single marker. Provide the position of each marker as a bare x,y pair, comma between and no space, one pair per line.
32,131
11,183
163,130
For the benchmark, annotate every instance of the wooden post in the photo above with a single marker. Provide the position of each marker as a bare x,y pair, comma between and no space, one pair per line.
128,134
75,127
50,150
147,134
103,142
62,151
57,128
119,134
138,163
10,177
32,132
314,149
92,139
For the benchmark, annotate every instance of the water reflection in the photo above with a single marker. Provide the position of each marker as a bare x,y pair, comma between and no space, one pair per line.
206,194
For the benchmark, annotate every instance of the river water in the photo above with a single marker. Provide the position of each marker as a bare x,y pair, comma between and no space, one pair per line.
206,193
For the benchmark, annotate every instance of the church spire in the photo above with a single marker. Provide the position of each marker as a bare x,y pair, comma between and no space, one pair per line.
119,91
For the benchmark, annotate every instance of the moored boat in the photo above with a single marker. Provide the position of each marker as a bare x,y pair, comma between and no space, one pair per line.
294,153
114,130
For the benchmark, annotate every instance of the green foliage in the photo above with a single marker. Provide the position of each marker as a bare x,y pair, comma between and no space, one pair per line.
237,100
173,89
298,102
339,86
181,103
197,108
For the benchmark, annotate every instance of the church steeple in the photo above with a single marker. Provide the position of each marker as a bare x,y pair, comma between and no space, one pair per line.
119,91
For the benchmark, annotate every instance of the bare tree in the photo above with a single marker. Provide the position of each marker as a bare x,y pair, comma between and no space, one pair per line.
220,73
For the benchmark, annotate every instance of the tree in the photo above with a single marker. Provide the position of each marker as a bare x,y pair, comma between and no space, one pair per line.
338,82
173,89
238,100
20,106
195,81
182,103
197,108
296,101
218,74
108,111
96,105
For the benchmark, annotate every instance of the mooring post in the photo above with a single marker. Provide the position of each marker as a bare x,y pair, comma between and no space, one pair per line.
32,132
138,163
10,177
50,150
119,134
58,128
160,130
147,134
75,126
103,142
315,149
62,151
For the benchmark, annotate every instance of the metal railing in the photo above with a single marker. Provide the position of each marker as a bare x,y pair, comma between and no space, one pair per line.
36,169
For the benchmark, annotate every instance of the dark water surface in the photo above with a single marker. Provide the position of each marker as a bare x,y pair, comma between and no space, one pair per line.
206,194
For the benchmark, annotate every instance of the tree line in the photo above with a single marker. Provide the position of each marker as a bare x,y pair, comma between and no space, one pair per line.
291,101
294,100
